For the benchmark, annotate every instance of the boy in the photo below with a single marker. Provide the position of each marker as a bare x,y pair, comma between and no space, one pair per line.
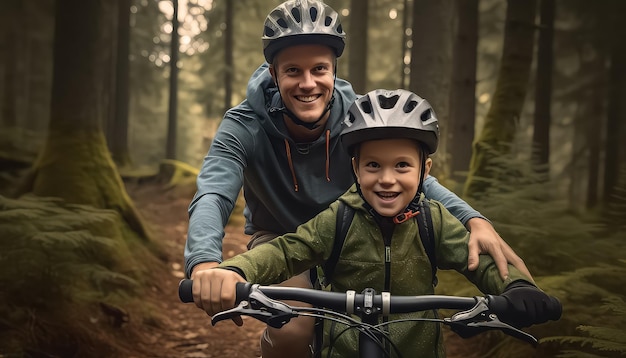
390,135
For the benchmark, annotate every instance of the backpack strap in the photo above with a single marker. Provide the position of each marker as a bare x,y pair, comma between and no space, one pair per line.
427,234
345,214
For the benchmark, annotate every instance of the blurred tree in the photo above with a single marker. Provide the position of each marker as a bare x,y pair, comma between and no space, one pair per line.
405,49
501,122
172,117
117,124
431,55
543,88
357,60
10,18
616,112
75,163
229,61
462,118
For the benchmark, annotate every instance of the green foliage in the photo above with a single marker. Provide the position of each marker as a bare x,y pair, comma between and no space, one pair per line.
602,331
59,263
527,213
575,258
616,208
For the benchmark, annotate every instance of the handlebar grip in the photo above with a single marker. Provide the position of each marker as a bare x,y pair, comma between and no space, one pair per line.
242,291
498,304
185,292
554,308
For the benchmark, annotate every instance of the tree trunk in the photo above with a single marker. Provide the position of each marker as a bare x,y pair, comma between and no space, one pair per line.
543,89
406,51
431,57
75,163
170,152
502,118
463,89
118,143
616,112
229,60
357,60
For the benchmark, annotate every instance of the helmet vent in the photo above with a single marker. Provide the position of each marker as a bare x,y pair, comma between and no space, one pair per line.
340,29
313,13
328,20
428,114
409,106
296,14
282,23
351,118
388,102
366,106
268,32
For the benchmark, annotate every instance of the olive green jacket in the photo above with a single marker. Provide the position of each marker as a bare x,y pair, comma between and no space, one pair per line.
362,265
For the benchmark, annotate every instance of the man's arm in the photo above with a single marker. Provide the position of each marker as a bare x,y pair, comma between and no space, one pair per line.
483,237
218,185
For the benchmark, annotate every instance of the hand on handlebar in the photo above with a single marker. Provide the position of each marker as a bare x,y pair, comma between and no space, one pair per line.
214,291
529,305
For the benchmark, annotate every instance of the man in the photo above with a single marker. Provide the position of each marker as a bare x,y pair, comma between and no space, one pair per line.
282,146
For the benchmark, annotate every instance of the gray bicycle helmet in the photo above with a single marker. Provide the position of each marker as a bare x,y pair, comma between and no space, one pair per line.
298,22
384,114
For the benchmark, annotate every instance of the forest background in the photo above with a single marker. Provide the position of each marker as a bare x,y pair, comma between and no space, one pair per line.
531,97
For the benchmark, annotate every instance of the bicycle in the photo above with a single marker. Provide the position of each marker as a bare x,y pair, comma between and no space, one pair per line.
260,302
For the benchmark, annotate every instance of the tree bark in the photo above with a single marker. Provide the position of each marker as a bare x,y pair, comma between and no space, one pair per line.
502,118
172,118
616,112
463,89
357,59
75,163
543,89
118,143
431,57
229,58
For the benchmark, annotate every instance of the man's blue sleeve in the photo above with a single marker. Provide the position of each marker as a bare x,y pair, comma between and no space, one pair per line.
455,205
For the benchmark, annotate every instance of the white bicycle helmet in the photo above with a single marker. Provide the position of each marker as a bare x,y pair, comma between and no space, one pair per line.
384,114
297,22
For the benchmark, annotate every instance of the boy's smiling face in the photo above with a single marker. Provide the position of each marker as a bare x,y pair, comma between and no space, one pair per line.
388,171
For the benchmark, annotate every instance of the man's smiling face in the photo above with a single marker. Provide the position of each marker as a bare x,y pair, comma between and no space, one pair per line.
305,75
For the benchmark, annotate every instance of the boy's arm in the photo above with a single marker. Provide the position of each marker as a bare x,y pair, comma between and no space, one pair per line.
483,237
290,254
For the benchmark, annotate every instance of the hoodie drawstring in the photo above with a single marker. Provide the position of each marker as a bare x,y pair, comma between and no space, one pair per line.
290,161
293,172
328,155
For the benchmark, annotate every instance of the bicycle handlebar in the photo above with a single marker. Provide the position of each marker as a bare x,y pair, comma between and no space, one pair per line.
259,302
341,301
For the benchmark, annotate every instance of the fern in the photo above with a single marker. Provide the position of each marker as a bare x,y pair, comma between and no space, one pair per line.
616,211
577,259
606,340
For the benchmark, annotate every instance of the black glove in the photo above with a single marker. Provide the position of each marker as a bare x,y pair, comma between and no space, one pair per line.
528,305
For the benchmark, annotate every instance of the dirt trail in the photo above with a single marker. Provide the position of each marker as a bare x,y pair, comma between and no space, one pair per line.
191,333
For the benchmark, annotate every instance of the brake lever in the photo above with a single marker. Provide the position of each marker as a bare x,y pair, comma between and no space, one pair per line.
480,316
271,312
